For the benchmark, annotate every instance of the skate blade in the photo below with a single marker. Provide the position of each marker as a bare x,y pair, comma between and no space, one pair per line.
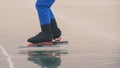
60,42
54,44
37,46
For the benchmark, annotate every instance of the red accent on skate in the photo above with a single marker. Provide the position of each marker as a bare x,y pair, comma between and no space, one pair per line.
46,43
41,43
30,44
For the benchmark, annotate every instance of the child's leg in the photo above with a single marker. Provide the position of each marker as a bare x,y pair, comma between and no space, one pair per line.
43,8
54,27
51,15
46,16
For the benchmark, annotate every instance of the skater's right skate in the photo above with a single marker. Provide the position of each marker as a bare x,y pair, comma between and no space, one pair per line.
55,30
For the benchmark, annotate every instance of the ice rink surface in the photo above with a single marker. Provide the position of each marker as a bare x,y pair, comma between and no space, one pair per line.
92,28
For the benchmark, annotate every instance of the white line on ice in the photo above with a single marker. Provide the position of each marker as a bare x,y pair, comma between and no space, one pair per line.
9,59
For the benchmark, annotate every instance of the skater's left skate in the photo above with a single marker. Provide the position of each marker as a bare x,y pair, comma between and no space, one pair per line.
43,38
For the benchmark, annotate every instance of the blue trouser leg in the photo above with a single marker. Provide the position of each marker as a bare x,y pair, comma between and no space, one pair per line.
44,12
51,15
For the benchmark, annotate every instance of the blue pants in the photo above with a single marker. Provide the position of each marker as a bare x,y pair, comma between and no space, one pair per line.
45,14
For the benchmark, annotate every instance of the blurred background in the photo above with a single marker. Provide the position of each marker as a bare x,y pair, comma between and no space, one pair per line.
92,28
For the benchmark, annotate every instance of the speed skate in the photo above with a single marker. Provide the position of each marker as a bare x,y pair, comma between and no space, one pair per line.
47,44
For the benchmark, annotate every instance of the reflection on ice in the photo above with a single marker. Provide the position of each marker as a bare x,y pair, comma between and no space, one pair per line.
46,58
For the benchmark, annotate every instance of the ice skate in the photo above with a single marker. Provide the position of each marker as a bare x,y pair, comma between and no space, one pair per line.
55,30
43,38
56,33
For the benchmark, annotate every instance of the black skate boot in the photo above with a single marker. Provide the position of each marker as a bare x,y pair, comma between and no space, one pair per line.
45,36
55,30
